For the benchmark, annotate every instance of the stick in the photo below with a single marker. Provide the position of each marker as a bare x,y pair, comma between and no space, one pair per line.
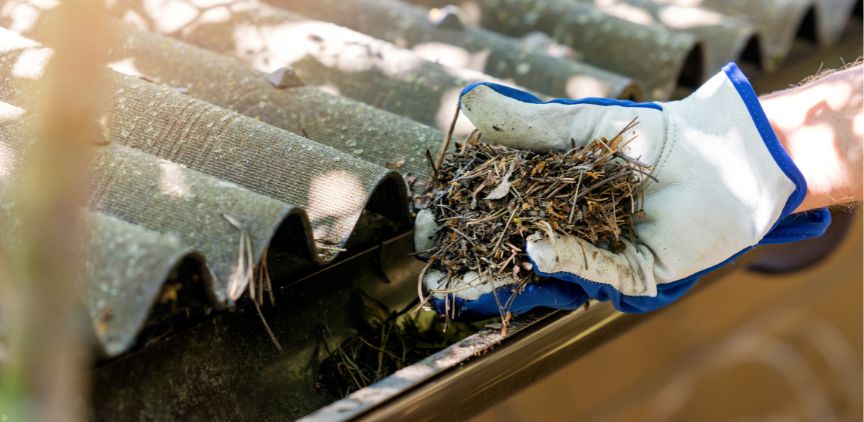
503,232
432,164
446,144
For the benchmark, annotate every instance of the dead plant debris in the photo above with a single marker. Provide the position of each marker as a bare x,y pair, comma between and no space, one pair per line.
487,199
384,342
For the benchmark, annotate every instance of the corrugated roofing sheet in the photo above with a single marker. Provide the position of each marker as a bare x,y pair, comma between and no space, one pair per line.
351,126
778,21
340,60
722,37
123,262
455,44
247,173
598,38
207,152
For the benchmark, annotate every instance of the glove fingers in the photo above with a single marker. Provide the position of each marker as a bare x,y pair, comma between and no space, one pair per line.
630,272
425,227
513,118
551,293
517,119
468,286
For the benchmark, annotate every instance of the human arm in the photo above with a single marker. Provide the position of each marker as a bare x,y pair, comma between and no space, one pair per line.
821,126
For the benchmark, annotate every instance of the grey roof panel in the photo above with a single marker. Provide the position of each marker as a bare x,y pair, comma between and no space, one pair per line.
778,21
340,60
124,269
200,209
351,126
331,186
468,46
168,198
654,56
723,37
355,128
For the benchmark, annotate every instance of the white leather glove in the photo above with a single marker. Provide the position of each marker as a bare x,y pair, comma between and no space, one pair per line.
723,183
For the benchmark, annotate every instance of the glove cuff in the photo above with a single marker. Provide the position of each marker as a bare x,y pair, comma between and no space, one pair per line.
787,228
760,120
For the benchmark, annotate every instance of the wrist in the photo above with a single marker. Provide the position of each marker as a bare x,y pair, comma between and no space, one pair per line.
807,123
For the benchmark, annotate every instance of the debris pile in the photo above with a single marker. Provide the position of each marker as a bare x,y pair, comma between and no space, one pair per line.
487,199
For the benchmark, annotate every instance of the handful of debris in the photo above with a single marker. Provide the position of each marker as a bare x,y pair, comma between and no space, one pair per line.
487,199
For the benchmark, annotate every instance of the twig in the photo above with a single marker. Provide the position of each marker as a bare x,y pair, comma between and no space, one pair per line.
503,232
432,164
446,144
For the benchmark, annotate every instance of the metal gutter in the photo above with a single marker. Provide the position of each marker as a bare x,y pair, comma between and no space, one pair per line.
475,373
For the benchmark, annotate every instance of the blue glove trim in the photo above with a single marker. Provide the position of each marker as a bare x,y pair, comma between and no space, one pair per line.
788,229
666,293
529,98
551,293
768,137
800,226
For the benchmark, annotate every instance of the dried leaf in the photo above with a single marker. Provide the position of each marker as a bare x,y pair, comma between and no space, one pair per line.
503,187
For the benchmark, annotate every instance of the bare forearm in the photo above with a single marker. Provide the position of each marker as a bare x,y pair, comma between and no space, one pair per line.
821,125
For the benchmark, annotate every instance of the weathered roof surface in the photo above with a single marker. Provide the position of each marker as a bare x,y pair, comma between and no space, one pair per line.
351,126
249,173
117,302
165,197
341,60
119,295
200,137
449,41
723,37
778,21
600,39
163,122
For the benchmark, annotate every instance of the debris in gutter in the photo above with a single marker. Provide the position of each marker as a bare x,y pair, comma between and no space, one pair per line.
247,277
182,301
384,342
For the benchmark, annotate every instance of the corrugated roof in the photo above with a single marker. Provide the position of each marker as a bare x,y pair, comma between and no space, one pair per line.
224,167
354,127
598,38
777,22
760,30
342,61
206,150
455,44
722,37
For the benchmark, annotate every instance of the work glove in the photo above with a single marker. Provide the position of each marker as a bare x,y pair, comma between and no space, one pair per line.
721,184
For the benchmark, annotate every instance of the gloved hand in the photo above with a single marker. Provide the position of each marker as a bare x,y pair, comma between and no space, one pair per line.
724,184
